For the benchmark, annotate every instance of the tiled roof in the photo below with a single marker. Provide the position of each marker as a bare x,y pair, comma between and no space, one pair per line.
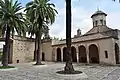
98,29
98,12
95,33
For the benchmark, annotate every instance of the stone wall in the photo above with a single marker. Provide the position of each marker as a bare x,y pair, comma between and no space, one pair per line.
47,50
23,50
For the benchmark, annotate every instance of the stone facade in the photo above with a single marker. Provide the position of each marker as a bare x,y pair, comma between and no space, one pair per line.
23,49
99,45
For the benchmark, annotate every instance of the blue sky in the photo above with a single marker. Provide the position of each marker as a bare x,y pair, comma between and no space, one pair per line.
81,12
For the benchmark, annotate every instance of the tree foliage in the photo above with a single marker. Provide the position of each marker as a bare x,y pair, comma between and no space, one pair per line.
41,14
11,20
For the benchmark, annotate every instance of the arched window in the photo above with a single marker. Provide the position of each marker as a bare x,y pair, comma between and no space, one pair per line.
96,23
106,54
101,21
43,56
93,23
105,22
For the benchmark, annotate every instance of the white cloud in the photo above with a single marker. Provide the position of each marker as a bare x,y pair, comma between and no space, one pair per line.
114,20
81,18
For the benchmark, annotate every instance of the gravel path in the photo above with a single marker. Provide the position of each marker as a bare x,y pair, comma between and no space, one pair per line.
48,71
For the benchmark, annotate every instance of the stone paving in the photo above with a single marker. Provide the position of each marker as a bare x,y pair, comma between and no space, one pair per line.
48,71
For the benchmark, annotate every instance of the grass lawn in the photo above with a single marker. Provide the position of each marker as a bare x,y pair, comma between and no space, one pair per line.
6,67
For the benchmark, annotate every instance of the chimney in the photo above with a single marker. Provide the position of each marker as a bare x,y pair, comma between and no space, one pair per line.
78,32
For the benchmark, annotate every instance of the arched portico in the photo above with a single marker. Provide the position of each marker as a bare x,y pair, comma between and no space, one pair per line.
93,54
64,54
116,53
58,54
74,56
82,54
43,56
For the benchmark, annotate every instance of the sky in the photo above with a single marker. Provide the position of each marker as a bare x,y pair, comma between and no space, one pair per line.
81,15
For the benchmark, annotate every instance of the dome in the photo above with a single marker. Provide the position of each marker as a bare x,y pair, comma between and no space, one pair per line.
98,13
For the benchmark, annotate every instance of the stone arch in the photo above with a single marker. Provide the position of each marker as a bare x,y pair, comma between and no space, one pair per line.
58,54
43,56
93,54
116,53
74,56
64,54
82,54
54,54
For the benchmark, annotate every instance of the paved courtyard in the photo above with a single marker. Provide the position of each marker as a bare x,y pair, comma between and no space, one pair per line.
27,71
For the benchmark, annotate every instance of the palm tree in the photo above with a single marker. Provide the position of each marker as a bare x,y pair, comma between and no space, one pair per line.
43,14
11,19
68,67
32,31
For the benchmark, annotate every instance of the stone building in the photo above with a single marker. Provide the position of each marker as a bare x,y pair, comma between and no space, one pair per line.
99,45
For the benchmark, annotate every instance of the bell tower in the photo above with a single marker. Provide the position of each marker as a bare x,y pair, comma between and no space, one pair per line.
99,18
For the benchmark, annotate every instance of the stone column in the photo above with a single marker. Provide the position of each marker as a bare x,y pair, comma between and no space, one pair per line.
62,54
77,54
77,57
87,52
54,54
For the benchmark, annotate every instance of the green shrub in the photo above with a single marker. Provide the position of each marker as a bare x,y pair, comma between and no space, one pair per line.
6,67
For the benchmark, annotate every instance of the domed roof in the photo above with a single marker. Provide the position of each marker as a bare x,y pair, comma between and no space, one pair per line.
98,13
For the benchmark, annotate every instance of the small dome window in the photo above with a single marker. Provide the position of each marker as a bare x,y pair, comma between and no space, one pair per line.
105,22
96,23
101,21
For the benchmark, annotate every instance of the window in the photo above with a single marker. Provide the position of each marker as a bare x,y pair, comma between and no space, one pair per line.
106,54
96,22
101,21
93,24
105,22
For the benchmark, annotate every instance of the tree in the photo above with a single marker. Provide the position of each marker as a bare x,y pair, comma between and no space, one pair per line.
11,20
32,30
43,14
68,67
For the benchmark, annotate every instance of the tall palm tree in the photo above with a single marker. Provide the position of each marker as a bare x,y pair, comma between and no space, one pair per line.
11,19
43,14
32,30
68,67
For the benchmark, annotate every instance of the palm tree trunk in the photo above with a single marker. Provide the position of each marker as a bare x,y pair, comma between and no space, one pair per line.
68,67
38,61
35,51
7,40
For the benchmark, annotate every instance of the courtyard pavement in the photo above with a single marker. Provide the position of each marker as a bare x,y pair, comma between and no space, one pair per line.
27,71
